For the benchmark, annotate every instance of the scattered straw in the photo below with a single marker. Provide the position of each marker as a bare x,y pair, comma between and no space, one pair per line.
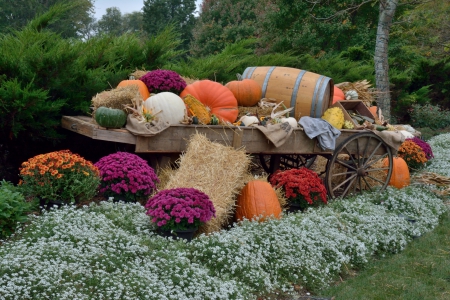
432,178
216,170
116,98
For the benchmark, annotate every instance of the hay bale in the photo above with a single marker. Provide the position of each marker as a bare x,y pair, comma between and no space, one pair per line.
216,170
117,98
138,73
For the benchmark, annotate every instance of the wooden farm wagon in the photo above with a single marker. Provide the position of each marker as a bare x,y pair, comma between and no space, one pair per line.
355,164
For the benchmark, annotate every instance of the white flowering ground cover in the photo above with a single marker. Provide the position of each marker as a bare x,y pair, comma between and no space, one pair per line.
109,251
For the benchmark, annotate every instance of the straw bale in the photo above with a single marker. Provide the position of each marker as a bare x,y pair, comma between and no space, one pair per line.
138,73
215,169
116,98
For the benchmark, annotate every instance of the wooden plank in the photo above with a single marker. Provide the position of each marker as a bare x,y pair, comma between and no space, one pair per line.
175,138
84,125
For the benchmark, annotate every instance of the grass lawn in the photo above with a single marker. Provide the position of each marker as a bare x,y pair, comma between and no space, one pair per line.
421,271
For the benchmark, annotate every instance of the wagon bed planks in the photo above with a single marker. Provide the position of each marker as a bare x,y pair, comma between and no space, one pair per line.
175,138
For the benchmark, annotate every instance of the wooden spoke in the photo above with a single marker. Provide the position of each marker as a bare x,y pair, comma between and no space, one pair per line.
357,165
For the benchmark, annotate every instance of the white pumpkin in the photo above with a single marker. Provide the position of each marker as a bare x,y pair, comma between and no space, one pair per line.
167,106
351,95
292,121
249,120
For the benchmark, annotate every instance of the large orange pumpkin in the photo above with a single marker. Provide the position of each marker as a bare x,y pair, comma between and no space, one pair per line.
143,90
257,198
338,94
216,97
248,92
400,173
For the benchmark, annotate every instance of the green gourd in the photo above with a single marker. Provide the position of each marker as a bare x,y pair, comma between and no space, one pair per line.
110,117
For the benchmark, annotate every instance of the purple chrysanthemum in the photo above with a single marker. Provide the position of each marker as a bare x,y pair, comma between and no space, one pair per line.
126,176
159,81
180,208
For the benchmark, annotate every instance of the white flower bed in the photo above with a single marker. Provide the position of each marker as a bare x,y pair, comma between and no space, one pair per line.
108,251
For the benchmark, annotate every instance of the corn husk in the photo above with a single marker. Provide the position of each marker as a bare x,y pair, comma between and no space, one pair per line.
215,169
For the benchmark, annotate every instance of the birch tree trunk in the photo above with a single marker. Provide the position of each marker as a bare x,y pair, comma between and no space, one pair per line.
387,12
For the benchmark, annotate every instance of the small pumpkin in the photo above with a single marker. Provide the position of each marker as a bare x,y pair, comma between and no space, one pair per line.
248,92
143,90
292,121
257,198
373,110
197,109
166,106
351,95
219,100
400,172
110,117
338,94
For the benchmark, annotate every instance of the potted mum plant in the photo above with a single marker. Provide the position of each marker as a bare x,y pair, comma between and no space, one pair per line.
158,81
303,188
125,176
59,177
178,212
413,155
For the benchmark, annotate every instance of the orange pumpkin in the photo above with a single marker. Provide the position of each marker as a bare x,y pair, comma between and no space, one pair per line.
257,198
373,110
143,89
248,92
338,94
400,172
216,97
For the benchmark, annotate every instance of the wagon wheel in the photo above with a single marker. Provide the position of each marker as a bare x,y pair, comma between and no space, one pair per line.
271,163
358,164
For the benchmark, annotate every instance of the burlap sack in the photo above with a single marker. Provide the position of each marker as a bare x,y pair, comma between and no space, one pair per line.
145,128
278,134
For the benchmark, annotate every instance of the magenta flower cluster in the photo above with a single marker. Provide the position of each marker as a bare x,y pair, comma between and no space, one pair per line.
180,208
425,147
126,176
164,81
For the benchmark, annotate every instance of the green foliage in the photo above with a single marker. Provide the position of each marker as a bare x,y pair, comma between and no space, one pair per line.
339,68
226,22
158,14
72,18
13,208
235,58
428,115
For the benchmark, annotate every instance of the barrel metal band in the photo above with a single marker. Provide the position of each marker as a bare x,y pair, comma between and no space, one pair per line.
266,81
324,86
248,72
295,92
315,99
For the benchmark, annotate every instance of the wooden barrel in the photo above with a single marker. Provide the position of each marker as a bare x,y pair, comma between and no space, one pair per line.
309,93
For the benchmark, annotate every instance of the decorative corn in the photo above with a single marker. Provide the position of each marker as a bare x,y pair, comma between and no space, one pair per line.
198,109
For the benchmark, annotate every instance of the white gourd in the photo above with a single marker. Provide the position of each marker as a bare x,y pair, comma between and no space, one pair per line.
168,106
292,121
249,120
351,95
